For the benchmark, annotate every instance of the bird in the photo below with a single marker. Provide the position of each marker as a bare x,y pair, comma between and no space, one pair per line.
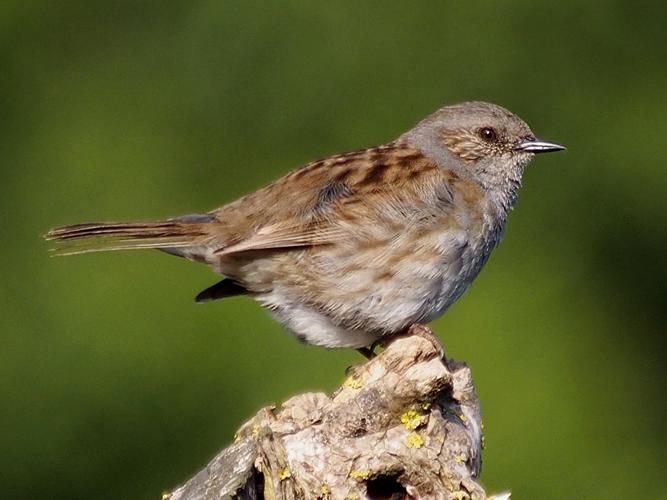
355,248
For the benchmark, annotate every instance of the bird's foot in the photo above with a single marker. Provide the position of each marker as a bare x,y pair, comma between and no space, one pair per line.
425,332
418,329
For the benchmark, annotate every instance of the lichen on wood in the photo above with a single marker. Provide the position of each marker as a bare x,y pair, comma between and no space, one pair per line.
406,424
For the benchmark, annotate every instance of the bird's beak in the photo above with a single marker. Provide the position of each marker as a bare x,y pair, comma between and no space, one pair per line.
538,146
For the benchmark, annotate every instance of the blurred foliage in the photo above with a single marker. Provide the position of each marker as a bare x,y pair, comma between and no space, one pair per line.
114,384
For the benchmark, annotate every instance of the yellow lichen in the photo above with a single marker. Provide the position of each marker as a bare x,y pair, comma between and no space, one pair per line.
460,458
351,496
414,440
460,416
284,474
460,495
166,495
411,420
324,491
426,406
255,430
359,474
353,382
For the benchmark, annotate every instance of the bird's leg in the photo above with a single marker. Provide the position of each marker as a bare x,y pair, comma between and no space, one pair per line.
367,352
422,331
418,329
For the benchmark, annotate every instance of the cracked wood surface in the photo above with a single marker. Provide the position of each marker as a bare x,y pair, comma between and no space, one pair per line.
403,425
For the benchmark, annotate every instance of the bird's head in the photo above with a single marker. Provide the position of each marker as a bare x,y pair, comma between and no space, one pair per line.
489,142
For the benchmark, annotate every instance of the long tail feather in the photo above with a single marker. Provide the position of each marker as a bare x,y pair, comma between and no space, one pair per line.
106,236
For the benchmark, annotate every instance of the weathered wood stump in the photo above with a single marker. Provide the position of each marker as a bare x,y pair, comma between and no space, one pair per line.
403,425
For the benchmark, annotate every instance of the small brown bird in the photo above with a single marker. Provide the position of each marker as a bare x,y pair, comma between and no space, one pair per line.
356,247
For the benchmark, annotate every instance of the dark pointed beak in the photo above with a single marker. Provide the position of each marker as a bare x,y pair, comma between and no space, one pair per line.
538,146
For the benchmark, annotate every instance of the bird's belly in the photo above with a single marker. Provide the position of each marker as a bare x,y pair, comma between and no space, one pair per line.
425,283
352,297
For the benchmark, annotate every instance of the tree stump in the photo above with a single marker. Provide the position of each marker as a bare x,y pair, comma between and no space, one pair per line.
406,424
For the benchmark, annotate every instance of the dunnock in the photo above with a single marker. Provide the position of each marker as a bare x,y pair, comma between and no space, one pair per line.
356,247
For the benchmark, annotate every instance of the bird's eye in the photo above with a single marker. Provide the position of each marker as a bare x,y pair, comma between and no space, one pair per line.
488,134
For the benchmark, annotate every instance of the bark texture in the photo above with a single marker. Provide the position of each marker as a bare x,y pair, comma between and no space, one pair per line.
403,425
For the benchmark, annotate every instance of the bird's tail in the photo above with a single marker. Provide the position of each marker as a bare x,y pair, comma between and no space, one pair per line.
180,232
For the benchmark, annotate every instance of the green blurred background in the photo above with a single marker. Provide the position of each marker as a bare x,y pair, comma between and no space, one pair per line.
114,384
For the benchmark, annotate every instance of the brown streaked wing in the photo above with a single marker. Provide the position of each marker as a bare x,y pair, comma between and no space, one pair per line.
310,206
280,236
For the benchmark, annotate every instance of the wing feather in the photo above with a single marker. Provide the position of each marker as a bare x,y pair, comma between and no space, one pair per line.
276,237
318,203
